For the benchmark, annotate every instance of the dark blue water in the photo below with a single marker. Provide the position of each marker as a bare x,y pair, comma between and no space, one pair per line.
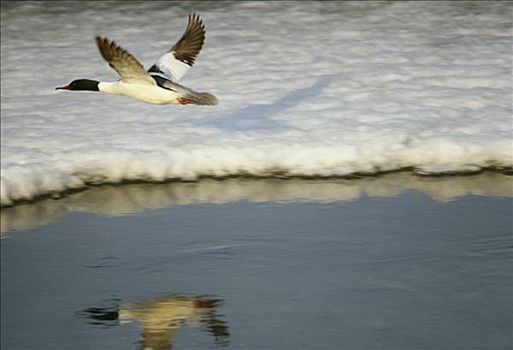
388,273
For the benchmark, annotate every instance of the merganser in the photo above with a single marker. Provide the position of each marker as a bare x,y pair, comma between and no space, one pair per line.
159,84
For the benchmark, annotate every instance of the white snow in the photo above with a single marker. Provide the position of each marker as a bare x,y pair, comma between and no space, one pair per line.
308,89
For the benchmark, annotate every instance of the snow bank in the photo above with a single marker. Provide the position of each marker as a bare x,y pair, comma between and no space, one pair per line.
305,89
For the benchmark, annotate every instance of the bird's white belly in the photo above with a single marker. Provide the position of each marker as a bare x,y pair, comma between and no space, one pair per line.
144,92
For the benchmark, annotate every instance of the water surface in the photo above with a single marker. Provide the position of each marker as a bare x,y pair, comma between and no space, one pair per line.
402,271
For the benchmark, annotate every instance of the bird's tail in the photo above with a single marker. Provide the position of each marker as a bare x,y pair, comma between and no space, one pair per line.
200,98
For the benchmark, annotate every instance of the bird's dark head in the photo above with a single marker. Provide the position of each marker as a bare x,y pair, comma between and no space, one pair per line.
81,84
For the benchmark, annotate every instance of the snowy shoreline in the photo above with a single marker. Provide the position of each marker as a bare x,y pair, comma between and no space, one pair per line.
8,202
332,90
136,197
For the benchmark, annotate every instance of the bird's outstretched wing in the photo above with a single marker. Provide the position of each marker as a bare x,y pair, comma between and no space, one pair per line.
127,66
174,64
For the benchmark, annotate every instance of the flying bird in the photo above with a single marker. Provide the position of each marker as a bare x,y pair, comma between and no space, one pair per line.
159,84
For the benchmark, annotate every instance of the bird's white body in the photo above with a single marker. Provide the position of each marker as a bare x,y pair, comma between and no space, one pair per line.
152,94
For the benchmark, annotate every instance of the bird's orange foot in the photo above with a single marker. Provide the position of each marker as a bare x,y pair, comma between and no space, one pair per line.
182,101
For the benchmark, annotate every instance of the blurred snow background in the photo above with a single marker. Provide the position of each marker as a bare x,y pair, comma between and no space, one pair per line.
308,89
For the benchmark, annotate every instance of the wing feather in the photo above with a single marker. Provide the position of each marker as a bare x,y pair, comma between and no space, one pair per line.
175,63
127,66
191,42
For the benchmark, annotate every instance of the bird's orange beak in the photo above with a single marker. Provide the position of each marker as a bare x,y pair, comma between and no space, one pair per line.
62,87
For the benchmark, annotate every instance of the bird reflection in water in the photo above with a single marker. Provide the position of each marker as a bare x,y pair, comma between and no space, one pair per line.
161,317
